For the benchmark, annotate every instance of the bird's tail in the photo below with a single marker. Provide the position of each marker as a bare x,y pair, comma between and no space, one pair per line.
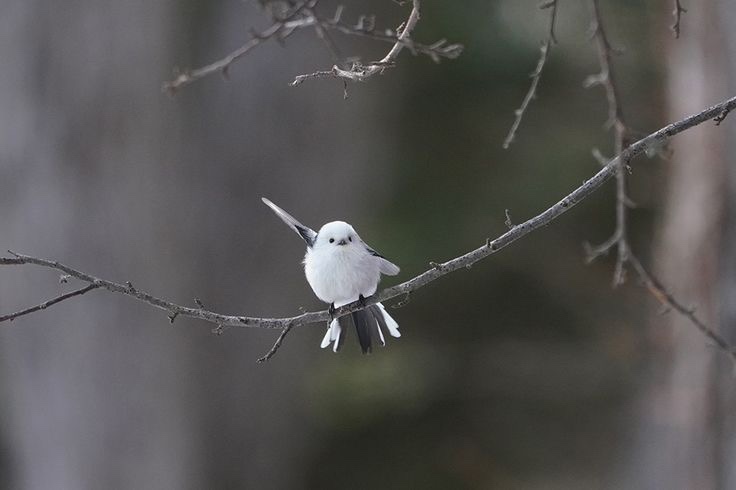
370,324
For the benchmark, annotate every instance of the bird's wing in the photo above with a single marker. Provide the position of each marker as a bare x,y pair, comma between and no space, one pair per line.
307,234
385,266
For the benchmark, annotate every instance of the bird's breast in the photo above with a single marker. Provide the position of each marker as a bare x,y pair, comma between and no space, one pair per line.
341,275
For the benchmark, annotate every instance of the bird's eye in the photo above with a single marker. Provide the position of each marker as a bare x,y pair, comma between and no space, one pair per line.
332,240
350,238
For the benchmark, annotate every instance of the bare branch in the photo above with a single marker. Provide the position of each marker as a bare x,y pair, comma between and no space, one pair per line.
666,299
304,15
621,131
277,30
437,50
51,302
616,121
488,248
536,74
317,74
361,72
276,344
606,76
677,14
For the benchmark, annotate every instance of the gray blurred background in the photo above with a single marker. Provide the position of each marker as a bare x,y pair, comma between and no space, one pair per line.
528,371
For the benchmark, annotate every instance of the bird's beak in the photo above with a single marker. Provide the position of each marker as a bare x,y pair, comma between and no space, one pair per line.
342,242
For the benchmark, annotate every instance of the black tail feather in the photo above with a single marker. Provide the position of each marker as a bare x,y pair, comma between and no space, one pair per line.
368,324
363,322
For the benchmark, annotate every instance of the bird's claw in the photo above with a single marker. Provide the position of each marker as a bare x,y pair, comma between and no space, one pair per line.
331,311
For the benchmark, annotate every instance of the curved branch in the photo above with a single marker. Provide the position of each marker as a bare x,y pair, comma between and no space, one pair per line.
360,72
536,74
654,140
222,65
276,30
666,299
303,15
615,120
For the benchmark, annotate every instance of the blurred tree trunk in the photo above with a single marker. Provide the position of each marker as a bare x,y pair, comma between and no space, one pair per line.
100,170
687,436
95,399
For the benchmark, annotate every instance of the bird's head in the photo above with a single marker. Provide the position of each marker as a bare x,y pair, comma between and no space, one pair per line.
337,234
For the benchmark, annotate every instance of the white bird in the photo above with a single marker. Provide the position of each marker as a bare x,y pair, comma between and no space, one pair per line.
341,268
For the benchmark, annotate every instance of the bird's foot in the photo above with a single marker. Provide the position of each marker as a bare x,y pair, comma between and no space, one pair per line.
361,300
331,311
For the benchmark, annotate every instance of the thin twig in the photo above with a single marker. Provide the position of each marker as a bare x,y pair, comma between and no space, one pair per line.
615,120
621,131
276,30
606,75
51,302
536,74
304,15
489,247
677,12
276,344
361,72
436,51
665,298
317,74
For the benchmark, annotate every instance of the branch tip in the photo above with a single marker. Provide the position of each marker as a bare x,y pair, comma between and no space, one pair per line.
536,75
276,344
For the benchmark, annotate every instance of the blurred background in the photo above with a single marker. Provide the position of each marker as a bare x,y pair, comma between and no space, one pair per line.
527,371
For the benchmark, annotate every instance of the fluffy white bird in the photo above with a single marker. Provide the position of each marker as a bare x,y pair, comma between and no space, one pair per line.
342,268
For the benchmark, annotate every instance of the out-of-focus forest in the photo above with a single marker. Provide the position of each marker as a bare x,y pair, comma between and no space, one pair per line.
528,371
